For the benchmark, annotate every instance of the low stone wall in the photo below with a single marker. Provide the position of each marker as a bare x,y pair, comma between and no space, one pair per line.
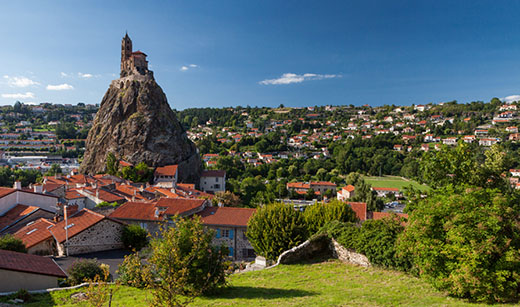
348,255
321,246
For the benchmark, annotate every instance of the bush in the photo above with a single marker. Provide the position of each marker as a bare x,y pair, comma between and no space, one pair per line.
84,269
275,228
466,243
105,204
11,243
345,234
317,215
377,240
134,237
132,272
185,264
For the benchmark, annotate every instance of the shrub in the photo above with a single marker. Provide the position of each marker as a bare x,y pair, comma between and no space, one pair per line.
185,264
466,243
377,240
84,269
275,228
132,272
134,237
345,234
317,215
11,243
105,204
23,294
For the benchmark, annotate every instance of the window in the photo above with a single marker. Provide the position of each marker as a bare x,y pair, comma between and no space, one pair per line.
248,253
216,179
225,233
217,186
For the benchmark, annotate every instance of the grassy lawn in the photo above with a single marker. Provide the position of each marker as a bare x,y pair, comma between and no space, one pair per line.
393,182
329,283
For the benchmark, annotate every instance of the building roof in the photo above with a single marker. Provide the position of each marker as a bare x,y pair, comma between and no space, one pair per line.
77,222
104,195
168,170
226,216
35,232
21,262
15,214
179,205
298,185
6,191
133,210
349,188
213,173
327,183
71,194
360,209
381,215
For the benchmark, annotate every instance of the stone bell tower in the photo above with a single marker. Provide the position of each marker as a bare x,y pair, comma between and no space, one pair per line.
126,54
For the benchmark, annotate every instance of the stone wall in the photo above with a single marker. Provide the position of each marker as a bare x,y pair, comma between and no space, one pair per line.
105,235
321,246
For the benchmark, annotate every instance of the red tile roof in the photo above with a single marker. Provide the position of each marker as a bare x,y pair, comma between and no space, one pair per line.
15,214
226,216
22,262
179,205
6,191
168,170
132,210
104,195
327,183
298,185
349,188
360,209
71,194
34,232
77,222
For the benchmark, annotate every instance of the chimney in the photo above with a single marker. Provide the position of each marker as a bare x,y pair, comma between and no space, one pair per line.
97,193
38,188
17,185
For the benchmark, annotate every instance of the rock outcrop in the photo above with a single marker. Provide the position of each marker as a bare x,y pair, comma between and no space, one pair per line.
136,124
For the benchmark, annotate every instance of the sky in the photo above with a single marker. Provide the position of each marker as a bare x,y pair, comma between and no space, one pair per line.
264,53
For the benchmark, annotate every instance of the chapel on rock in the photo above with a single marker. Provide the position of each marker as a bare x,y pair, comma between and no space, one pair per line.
132,63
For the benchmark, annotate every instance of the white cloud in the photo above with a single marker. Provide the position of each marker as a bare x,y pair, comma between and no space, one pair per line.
85,76
64,74
19,81
19,95
289,78
511,98
60,87
187,67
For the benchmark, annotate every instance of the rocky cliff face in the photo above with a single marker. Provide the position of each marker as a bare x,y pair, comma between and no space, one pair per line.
136,124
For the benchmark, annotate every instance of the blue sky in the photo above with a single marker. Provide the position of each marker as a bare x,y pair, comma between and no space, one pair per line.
265,53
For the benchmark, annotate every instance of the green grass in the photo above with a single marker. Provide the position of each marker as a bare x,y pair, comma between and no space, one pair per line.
329,283
393,182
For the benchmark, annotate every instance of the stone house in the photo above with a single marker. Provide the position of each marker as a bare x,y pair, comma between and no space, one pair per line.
87,232
230,225
153,215
346,192
29,272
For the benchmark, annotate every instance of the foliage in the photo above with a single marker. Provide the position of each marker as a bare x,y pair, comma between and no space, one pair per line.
111,164
106,204
227,198
132,272
466,243
134,237
363,192
55,169
23,294
66,130
140,173
11,243
275,228
185,264
84,269
377,240
99,290
317,215
345,234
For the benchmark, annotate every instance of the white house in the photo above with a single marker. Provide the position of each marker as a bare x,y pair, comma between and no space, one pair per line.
213,181
165,176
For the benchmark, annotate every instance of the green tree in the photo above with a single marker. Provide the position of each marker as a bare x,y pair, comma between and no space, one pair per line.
466,242
134,237
9,242
185,264
111,164
275,228
55,169
317,215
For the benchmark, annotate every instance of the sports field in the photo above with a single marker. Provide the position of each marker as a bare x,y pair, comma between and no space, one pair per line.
394,182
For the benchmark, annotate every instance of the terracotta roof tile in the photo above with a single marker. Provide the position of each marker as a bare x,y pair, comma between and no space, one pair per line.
77,222
6,191
360,209
132,210
22,262
228,216
34,232
16,213
179,205
168,170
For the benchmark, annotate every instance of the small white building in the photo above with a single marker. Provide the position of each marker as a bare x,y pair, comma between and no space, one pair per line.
213,181
165,176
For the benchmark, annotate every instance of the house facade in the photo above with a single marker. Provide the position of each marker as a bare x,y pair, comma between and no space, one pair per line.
213,181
